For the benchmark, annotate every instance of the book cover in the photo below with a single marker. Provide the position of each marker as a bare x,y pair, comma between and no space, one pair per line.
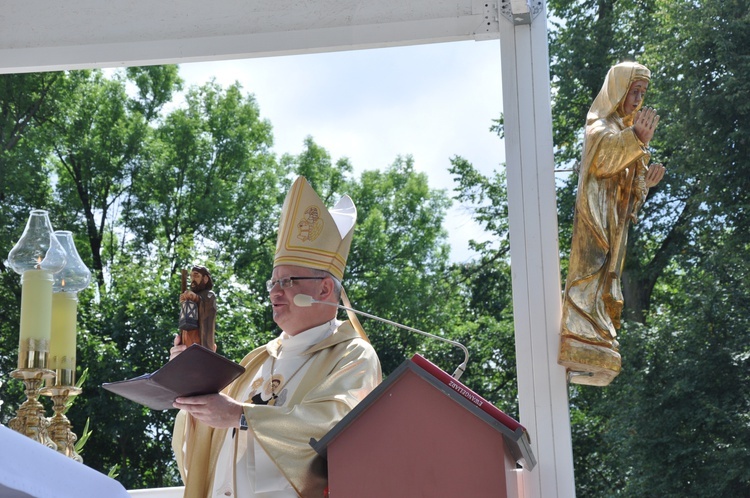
195,371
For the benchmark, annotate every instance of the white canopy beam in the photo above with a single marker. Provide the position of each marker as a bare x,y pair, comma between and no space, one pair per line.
38,35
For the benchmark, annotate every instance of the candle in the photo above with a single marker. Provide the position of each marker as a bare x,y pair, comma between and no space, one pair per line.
36,313
36,256
62,349
74,277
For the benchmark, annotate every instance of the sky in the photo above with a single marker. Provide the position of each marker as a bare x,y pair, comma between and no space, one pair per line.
432,102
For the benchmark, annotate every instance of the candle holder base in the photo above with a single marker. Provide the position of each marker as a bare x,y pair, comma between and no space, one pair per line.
30,419
59,426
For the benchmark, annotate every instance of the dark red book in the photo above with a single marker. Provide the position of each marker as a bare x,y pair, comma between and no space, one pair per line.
195,371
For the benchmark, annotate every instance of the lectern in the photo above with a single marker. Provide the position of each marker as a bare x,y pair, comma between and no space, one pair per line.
422,433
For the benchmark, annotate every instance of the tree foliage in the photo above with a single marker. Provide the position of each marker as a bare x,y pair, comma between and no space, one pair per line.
485,284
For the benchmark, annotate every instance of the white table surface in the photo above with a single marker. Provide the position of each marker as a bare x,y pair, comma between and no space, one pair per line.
30,470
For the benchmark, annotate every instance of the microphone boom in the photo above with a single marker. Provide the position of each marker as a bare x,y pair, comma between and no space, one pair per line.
305,301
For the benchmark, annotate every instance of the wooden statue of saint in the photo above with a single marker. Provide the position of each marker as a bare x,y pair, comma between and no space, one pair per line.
198,309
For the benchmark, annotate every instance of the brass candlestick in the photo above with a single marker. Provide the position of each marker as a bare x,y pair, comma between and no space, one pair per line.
59,426
36,257
32,371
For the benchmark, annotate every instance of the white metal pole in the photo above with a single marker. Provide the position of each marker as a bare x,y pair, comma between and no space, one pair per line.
535,266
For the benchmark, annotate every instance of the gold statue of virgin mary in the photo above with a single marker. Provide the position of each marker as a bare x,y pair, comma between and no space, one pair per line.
614,179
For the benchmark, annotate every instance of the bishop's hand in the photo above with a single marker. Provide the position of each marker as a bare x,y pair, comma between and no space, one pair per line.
177,348
216,410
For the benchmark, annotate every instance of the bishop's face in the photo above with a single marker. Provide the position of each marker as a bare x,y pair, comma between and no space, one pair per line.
291,318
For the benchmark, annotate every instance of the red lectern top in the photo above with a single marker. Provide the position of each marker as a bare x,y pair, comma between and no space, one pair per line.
480,410
517,439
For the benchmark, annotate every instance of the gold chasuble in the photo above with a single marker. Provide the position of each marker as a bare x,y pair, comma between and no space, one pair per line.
343,370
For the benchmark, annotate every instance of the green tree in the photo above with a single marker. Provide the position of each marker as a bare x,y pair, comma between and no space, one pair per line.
152,191
186,204
486,285
701,273
206,158
315,163
125,334
101,143
98,143
398,256
27,102
156,86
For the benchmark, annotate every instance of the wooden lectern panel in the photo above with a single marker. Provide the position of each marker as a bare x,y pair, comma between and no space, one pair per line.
414,441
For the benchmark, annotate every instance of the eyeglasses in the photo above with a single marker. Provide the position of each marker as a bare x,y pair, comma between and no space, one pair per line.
287,282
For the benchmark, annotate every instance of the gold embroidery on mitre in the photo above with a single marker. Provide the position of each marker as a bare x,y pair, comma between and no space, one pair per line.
311,225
